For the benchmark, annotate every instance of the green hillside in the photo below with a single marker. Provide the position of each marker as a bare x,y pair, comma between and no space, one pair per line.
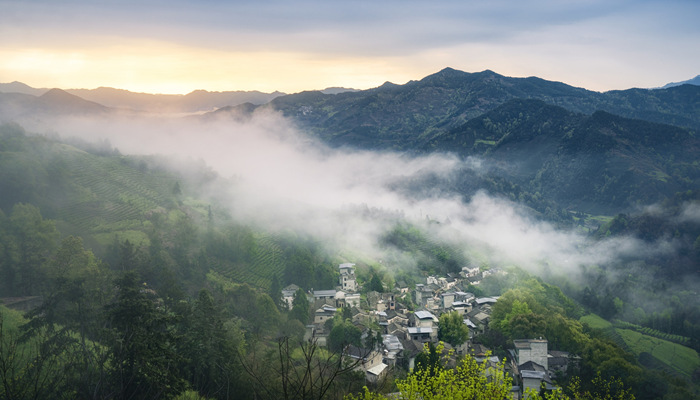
85,193
674,357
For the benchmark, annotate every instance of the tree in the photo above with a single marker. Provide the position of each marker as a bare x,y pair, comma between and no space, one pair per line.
300,306
343,334
210,348
468,380
429,359
276,291
30,367
7,258
177,191
375,284
70,318
304,371
602,389
452,329
143,343
35,240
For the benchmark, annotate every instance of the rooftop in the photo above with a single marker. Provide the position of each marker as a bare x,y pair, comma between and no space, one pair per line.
419,330
424,315
324,293
525,343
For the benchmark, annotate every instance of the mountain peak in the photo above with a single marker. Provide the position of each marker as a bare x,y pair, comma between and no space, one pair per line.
19,87
388,85
695,81
447,70
63,101
448,75
57,93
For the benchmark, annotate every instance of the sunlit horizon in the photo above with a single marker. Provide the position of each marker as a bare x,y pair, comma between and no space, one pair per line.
231,46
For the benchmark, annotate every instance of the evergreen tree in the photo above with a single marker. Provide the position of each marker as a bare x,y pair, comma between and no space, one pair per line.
300,306
35,240
276,291
375,284
143,343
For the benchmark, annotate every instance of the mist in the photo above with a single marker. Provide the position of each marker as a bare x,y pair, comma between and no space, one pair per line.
275,176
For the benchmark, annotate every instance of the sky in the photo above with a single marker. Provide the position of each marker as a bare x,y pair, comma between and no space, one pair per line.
177,46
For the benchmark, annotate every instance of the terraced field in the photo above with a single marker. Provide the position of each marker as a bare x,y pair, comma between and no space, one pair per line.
110,194
267,261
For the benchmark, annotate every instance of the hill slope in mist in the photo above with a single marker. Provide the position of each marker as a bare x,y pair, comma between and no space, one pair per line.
599,163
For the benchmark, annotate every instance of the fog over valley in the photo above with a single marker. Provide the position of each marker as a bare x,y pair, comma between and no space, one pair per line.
275,176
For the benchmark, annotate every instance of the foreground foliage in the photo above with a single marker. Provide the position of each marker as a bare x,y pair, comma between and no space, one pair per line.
468,380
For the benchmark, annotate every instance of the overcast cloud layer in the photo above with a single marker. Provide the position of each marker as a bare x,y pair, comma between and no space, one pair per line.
183,45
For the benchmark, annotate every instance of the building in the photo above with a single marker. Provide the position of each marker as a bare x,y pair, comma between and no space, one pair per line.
424,319
376,374
347,279
363,359
534,350
288,294
325,296
448,299
421,334
393,349
343,299
323,314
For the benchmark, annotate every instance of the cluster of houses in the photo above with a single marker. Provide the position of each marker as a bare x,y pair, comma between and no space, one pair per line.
405,332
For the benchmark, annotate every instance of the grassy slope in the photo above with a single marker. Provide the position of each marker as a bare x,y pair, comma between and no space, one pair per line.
595,322
675,357
680,359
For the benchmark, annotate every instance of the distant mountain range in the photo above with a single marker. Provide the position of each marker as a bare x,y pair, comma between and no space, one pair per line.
196,101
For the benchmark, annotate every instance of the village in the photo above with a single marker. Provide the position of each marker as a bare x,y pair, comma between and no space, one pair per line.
404,332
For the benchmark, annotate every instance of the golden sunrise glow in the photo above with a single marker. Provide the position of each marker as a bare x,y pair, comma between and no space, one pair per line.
156,67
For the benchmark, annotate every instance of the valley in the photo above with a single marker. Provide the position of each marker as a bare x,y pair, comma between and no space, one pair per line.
578,210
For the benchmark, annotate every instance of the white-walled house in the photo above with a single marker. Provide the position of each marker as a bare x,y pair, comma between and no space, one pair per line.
347,280
288,294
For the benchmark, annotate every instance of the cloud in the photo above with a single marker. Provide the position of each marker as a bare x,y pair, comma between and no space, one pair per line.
390,27
598,45
276,177
690,213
